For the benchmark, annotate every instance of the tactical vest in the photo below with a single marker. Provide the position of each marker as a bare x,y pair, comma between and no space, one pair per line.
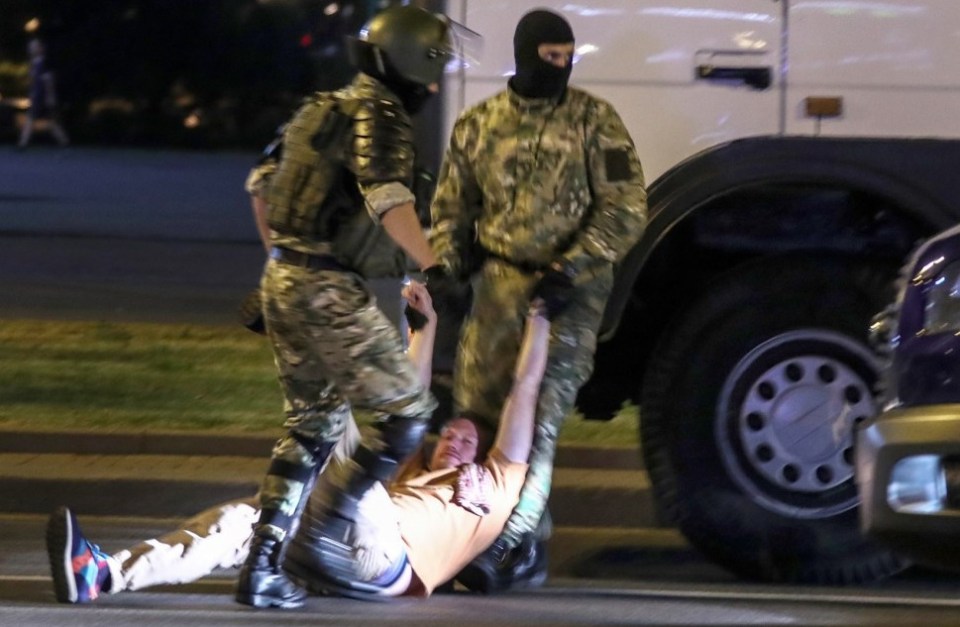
313,195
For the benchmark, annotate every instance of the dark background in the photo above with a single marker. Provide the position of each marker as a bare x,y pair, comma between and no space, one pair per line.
207,74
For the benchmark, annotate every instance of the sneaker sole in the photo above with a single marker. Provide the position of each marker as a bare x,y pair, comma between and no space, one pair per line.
59,544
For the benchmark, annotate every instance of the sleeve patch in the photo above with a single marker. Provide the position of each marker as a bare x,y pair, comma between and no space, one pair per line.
616,161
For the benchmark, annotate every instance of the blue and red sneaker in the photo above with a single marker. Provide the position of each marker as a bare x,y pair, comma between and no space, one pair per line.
80,569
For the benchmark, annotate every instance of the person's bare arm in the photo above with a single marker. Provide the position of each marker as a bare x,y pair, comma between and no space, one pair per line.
420,350
403,226
260,210
515,434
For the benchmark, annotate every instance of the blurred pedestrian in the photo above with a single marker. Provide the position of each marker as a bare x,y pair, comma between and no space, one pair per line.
43,97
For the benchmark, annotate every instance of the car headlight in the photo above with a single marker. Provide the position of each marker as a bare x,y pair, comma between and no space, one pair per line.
917,485
941,311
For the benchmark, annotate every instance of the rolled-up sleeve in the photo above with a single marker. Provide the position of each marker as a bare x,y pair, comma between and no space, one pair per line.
380,198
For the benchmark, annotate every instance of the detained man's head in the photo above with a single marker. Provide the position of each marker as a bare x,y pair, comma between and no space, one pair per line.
459,444
543,51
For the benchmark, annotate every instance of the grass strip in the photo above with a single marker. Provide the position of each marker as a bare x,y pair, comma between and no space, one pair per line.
168,377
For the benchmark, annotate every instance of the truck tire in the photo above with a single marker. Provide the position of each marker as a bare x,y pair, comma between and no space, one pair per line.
748,410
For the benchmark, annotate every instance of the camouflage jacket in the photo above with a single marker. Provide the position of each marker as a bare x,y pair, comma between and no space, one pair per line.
531,180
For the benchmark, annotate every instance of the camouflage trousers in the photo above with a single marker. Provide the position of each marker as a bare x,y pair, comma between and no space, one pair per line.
489,344
334,350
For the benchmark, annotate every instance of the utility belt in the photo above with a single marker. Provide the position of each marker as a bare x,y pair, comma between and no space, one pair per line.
307,260
526,267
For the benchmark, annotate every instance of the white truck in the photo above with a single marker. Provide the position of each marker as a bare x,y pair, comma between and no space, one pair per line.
795,150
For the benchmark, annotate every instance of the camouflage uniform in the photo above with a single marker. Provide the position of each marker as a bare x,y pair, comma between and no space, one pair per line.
530,182
332,346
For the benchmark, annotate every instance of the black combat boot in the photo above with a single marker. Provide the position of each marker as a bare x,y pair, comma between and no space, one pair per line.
499,568
262,583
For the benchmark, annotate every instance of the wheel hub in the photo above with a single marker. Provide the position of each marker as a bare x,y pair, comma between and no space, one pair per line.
786,418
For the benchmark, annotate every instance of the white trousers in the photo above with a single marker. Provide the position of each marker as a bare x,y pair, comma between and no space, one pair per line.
219,537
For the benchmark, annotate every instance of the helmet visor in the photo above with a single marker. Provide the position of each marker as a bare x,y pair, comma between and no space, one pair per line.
465,46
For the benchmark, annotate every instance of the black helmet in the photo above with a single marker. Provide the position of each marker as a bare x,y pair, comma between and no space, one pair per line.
404,44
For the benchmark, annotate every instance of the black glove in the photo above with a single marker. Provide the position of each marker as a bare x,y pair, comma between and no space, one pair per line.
555,288
415,319
449,296
251,313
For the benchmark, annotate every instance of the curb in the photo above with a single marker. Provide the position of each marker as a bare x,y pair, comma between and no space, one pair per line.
177,474
242,445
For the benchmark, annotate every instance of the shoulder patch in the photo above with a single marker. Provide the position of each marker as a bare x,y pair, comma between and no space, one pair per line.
616,163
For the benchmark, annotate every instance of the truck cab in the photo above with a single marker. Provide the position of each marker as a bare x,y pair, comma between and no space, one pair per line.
794,153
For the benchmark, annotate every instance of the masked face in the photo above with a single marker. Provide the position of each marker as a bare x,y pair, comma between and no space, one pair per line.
538,74
414,97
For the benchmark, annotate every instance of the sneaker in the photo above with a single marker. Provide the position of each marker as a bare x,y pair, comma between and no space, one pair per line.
80,569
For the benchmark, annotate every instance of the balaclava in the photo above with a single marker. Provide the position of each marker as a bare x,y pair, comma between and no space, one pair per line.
412,95
536,78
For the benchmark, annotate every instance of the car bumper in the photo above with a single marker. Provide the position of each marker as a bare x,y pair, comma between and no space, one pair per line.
908,473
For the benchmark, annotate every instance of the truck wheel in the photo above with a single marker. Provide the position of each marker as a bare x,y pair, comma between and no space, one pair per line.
749,405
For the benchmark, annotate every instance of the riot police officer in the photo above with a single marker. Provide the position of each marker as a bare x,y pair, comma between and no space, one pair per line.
340,210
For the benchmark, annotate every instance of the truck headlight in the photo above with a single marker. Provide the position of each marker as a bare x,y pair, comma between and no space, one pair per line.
942,303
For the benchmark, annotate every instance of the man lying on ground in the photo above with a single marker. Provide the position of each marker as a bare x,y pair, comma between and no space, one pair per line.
220,536
424,529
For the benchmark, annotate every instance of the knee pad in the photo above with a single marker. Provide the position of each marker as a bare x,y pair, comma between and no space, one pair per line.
376,465
402,435
318,450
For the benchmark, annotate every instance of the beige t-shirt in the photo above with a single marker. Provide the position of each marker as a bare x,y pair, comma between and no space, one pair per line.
442,537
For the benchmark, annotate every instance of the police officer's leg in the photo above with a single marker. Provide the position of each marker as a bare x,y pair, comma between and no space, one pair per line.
300,309
518,556
490,341
366,359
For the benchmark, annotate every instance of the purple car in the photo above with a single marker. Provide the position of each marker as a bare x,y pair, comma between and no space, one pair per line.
908,457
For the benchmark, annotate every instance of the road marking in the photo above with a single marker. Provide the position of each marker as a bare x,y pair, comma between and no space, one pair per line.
597,588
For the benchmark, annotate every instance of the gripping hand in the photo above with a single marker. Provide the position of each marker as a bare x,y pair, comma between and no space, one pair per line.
251,314
555,288
449,295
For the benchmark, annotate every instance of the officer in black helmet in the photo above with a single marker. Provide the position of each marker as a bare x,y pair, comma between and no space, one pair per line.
339,209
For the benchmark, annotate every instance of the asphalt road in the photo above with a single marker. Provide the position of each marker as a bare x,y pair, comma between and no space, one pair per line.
125,234
130,235
669,590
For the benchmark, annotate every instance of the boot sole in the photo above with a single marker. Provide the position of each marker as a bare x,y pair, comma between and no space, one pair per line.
476,579
59,545
262,601
318,584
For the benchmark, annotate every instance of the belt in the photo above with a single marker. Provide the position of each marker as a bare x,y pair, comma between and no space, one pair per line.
524,266
306,260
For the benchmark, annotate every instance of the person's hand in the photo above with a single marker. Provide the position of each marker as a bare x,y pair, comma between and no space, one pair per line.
449,295
555,289
419,310
251,313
